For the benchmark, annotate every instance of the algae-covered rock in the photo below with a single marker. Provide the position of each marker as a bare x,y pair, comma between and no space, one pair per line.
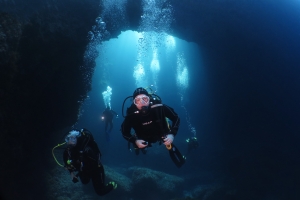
163,181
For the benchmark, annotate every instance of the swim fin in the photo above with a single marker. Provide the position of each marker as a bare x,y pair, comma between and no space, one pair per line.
176,156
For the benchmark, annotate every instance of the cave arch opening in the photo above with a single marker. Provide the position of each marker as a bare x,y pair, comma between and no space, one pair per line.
146,56
171,66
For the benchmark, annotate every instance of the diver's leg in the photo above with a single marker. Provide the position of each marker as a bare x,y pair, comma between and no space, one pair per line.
106,132
144,150
98,180
84,177
106,125
110,126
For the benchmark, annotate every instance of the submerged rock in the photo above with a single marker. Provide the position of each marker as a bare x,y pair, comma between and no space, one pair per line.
156,179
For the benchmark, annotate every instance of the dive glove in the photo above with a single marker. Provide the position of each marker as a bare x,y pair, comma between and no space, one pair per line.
168,139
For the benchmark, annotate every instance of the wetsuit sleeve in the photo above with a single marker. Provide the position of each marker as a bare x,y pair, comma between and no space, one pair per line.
125,129
65,157
172,115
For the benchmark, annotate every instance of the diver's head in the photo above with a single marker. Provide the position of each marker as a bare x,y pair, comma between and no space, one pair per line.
71,138
107,107
140,90
141,99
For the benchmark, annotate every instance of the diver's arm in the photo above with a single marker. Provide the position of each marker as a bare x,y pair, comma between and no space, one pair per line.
66,159
69,166
172,115
125,129
65,156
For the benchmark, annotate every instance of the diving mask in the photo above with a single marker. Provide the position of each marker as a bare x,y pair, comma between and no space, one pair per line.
141,100
71,139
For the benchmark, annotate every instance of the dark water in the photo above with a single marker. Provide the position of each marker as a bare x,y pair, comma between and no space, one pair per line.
118,66
243,100
242,97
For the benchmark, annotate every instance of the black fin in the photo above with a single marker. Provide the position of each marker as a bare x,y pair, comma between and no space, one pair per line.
176,156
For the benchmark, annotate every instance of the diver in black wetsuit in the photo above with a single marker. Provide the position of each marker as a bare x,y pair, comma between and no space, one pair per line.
82,155
107,116
192,144
148,117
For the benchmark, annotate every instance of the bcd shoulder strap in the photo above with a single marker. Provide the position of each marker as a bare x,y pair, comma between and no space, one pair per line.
161,118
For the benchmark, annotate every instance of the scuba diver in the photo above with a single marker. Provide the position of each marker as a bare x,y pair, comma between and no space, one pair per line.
147,116
107,117
82,155
192,144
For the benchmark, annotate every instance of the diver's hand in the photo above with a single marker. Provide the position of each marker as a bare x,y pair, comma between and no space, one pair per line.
168,139
74,178
141,143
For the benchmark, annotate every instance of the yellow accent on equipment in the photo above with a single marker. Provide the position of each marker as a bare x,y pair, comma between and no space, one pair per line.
54,155
169,147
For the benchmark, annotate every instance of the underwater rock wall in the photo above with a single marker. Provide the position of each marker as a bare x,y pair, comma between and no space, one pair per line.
43,81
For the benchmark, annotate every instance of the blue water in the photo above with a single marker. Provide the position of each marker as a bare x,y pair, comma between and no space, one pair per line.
242,97
118,58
